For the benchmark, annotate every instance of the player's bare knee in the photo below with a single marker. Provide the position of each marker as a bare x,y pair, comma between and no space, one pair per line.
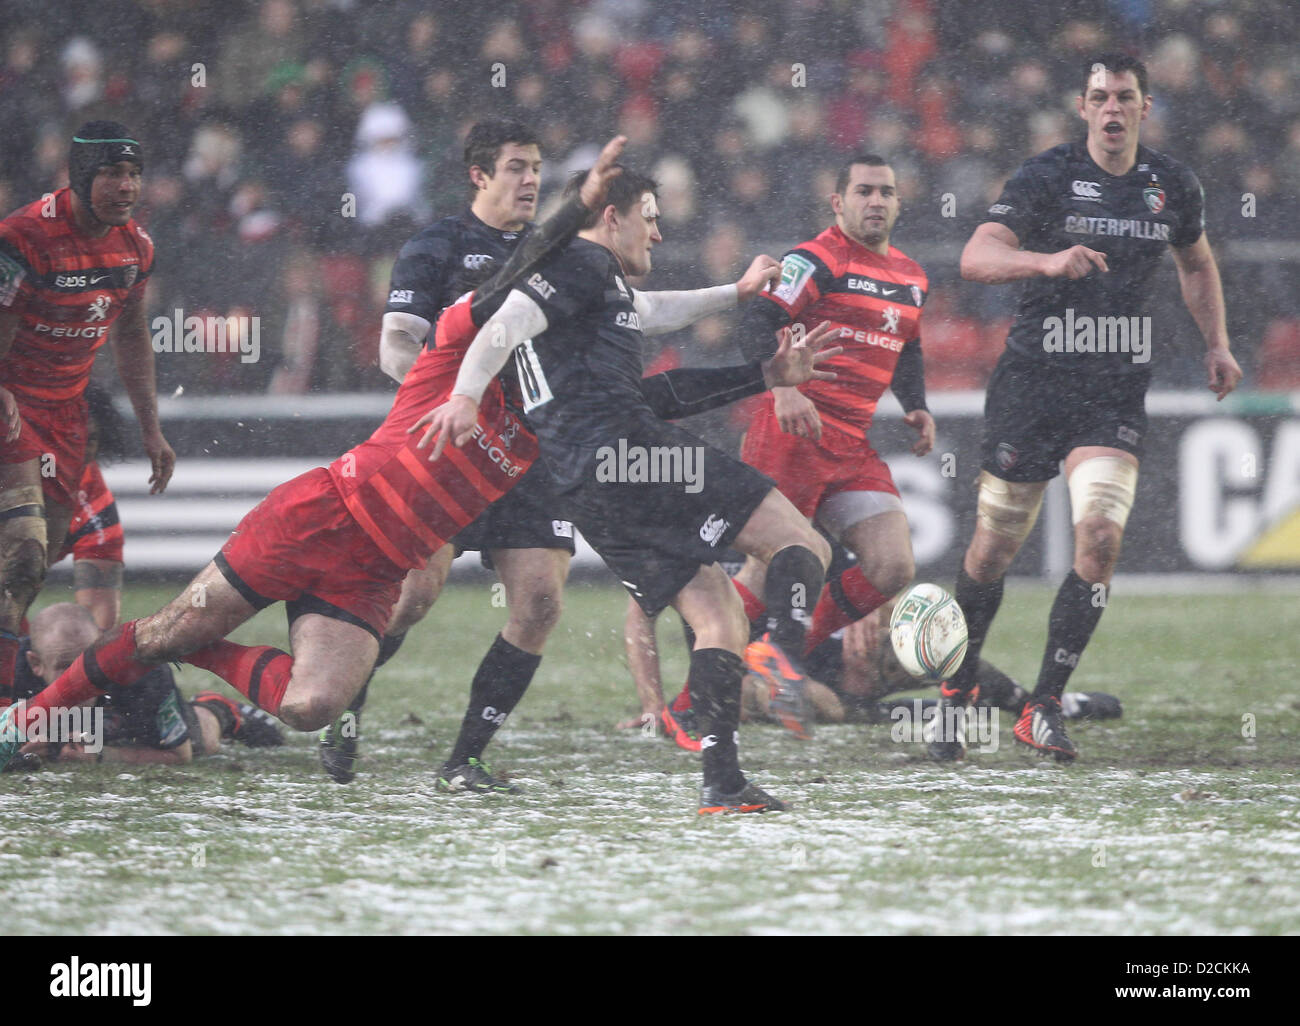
537,613
310,710
1098,542
893,575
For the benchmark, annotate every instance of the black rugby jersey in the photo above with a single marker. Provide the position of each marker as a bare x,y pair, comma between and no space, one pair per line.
581,378
1061,198
427,266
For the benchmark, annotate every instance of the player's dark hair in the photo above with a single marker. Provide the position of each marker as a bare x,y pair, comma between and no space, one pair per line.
1115,63
846,172
624,193
107,426
485,139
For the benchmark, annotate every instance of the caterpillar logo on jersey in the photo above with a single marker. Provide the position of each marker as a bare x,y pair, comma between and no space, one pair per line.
541,286
628,319
404,296
1086,190
492,715
795,271
713,529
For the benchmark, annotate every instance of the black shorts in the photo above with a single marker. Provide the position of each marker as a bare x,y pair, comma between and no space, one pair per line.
526,517
1034,415
656,536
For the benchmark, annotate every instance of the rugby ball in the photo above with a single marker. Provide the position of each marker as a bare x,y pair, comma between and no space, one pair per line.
928,632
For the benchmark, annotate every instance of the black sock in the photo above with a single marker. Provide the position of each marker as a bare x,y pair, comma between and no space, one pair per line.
502,678
794,584
1073,619
715,692
979,603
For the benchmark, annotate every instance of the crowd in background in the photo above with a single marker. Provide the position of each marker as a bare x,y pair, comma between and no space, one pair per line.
294,145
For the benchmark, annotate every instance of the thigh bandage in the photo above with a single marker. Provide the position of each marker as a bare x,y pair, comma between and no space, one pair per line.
1103,486
1009,508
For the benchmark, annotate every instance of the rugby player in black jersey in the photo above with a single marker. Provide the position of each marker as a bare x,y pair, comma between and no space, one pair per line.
1084,226
519,536
657,503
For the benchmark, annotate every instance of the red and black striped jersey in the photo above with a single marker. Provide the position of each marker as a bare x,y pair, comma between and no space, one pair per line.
95,531
408,506
67,289
875,301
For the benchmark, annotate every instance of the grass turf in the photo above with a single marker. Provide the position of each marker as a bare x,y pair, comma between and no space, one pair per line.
1174,820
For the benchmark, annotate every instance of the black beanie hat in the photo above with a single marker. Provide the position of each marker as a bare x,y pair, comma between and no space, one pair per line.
98,143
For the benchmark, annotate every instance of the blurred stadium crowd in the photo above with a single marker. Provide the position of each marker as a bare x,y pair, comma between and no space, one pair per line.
260,118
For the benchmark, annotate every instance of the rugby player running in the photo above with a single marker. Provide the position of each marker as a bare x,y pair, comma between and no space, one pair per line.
1084,226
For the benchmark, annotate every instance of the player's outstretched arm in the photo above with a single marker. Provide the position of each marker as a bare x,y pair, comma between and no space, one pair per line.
1198,277
686,391
993,257
664,312
133,353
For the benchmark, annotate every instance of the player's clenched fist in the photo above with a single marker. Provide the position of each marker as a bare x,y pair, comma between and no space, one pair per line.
762,271
1075,262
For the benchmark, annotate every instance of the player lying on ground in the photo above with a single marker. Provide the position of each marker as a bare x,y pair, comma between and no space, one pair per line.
1072,382
73,266
813,442
848,676
581,328
149,723
521,536
334,544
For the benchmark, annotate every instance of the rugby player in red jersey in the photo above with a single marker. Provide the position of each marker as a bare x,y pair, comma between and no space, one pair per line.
72,265
334,544
812,441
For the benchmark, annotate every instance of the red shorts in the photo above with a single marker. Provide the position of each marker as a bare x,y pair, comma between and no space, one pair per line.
807,472
95,531
55,436
300,544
